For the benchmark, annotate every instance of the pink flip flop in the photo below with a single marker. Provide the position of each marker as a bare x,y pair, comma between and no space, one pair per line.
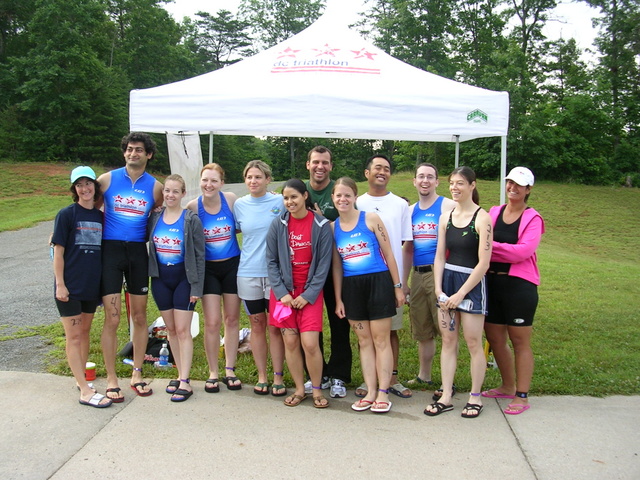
493,393
511,408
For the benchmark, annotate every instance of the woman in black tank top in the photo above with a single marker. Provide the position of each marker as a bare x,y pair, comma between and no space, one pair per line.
466,233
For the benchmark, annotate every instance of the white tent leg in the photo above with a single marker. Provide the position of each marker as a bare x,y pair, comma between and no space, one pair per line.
457,150
503,166
210,147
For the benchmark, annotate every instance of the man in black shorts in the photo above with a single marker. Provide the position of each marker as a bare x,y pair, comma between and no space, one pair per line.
129,196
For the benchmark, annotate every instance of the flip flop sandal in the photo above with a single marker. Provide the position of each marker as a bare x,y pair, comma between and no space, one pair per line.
295,400
183,395
516,408
438,393
376,409
398,389
276,387
142,393
118,399
440,408
471,407
261,389
213,389
173,384
319,402
362,405
95,400
230,380
493,393
363,388
419,381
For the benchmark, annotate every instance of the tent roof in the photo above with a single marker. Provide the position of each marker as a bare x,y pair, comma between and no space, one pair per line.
325,81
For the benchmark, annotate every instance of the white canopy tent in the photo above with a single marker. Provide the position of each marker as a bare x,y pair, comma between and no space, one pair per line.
325,82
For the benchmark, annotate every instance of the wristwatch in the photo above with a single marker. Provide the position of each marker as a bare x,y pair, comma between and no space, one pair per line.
398,285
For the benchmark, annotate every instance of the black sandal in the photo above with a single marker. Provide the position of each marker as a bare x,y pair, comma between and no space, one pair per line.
172,384
440,408
438,393
212,381
230,380
471,407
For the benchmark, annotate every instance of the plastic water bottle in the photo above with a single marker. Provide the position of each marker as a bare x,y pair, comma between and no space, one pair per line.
163,357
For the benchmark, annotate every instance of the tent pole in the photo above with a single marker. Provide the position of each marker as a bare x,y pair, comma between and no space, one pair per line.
210,147
457,150
503,166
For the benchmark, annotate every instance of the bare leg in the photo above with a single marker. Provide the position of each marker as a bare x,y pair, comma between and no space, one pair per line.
293,353
497,337
384,356
259,344
367,357
140,337
109,340
521,339
231,308
472,326
426,352
76,330
182,320
212,322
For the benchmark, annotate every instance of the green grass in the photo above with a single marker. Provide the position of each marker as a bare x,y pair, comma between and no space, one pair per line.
585,333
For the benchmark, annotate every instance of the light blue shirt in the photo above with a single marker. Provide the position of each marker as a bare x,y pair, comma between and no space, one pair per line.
253,218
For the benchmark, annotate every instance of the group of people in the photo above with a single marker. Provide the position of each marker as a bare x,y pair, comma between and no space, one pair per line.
316,244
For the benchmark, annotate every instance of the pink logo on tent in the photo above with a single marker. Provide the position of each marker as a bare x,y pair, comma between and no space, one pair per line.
325,59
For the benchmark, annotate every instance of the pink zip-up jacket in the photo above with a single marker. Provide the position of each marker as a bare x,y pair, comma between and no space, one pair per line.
522,255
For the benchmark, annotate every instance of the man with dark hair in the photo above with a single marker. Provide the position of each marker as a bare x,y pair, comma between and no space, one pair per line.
130,193
394,212
420,254
338,369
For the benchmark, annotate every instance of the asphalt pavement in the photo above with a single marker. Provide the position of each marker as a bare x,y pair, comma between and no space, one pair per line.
46,433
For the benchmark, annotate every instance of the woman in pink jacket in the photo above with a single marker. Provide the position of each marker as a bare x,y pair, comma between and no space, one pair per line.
512,282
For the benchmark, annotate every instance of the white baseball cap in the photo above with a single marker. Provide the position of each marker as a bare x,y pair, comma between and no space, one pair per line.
522,176
80,172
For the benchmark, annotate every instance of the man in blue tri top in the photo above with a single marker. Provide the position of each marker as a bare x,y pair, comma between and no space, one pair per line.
420,254
130,193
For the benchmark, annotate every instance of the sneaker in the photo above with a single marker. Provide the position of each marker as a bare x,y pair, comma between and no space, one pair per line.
308,386
338,388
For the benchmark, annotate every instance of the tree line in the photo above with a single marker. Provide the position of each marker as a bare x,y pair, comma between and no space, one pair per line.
67,66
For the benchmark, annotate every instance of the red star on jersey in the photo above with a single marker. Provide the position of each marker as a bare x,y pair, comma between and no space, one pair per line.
362,245
216,231
326,50
156,239
340,250
227,228
362,53
207,232
142,203
118,199
177,241
351,248
131,201
433,226
421,225
288,52
165,240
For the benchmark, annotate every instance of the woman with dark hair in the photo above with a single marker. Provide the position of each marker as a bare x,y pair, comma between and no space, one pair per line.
77,266
513,281
299,245
459,278
368,290
176,268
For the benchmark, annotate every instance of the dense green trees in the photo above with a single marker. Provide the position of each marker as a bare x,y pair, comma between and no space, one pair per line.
67,66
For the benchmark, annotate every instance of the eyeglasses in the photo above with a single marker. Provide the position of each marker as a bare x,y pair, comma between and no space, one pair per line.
431,178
